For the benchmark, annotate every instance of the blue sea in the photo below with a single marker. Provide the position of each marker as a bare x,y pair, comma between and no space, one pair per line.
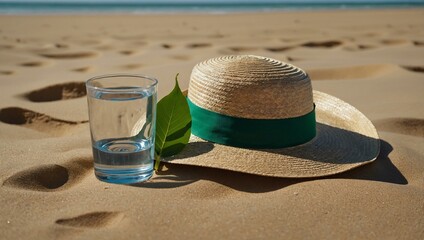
208,6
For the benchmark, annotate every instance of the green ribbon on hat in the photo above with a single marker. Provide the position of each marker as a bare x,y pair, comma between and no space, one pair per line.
251,133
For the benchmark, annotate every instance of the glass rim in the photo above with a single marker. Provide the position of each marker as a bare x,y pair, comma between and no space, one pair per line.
89,82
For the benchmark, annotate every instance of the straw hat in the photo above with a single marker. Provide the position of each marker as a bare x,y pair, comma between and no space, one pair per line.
259,115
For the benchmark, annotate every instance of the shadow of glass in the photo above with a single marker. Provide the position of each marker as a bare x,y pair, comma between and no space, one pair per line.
165,180
169,179
176,175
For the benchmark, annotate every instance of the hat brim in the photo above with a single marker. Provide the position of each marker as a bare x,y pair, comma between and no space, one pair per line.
345,139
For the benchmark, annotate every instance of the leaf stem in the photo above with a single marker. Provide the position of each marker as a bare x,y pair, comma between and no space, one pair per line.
157,162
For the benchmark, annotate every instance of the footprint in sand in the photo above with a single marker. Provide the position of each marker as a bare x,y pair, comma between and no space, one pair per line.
37,121
69,55
6,72
365,46
127,52
7,46
92,220
418,43
393,42
237,49
61,45
83,69
57,92
33,64
293,59
242,49
166,46
50,177
407,126
418,69
131,66
360,47
199,45
279,49
323,44
354,72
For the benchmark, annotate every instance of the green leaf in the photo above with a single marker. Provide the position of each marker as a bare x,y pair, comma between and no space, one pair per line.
173,124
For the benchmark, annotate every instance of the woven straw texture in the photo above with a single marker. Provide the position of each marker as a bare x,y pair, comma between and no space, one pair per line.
251,87
345,138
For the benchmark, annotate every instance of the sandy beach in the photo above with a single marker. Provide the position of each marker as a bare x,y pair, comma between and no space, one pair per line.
372,59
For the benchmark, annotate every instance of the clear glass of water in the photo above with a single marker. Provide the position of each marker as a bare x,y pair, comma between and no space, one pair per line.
122,111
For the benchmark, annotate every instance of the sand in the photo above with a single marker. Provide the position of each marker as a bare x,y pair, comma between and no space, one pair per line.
373,59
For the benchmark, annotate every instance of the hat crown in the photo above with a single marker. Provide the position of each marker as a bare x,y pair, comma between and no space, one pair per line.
252,87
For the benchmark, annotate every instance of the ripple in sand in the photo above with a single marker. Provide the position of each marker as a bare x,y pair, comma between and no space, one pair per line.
50,177
69,55
407,126
353,72
57,92
323,44
36,121
92,220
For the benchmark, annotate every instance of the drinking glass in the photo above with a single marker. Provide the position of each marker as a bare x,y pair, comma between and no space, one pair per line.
122,112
